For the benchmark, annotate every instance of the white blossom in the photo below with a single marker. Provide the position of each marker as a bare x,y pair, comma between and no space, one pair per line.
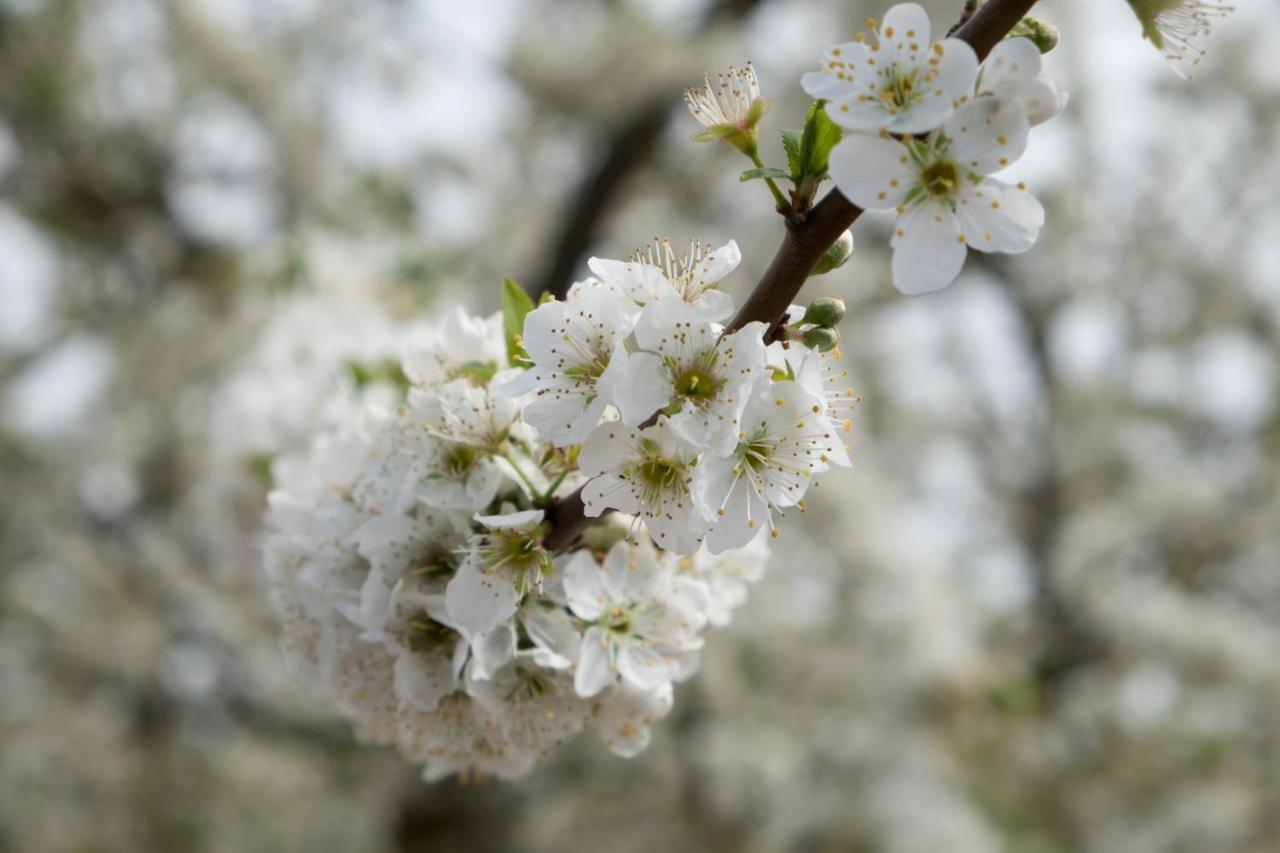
501,566
823,376
727,577
647,473
941,190
406,554
902,83
1178,27
641,627
785,439
656,272
694,275
535,707
460,345
465,412
571,345
734,101
1013,72
624,714
684,367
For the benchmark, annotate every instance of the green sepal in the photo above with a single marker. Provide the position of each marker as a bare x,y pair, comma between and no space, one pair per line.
1045,36
516,304
717,132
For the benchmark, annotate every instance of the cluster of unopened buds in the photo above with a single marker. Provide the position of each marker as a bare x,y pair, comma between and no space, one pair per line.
413,556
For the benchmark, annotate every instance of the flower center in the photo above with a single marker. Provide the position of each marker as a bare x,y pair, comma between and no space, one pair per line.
519,552
475,372
427,635
755,452
899,89
696,383
437,564
529,685
940,178
460,460
658,474
617,620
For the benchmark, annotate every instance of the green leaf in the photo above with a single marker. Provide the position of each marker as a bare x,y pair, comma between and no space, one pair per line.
820,135
791,143
515,305
763,172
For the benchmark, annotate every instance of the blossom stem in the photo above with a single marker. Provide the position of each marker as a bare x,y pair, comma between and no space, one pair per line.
807,238
524,478
555,484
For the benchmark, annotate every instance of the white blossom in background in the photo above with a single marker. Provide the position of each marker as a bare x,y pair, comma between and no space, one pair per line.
302,374
407,555
1177,28
902,83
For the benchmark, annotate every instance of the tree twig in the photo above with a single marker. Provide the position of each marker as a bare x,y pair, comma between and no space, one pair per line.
970,6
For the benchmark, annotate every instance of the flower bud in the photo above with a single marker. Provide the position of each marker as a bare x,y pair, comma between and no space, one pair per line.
822,338
1043,34
824,311
836,255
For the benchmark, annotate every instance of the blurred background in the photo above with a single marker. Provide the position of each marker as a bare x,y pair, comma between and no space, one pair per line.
1041,614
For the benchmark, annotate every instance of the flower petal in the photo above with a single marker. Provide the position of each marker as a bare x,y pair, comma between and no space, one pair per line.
480,601
904,26
873,172
423,679
595,671
987,134
928,249
997,217
584,586
642,389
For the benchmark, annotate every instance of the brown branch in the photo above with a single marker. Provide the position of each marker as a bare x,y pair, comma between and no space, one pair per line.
802,246
970,6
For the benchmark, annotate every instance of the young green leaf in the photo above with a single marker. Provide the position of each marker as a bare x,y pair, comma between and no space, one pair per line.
515,305
820,135
791,144
763,172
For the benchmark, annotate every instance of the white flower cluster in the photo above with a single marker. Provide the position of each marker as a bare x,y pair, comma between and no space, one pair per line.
926,128
407,554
